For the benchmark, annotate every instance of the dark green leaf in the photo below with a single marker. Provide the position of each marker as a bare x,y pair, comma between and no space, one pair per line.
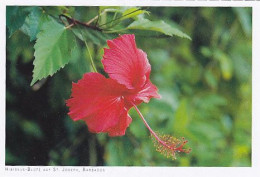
55,11
34,21
32,129
15,17
94,36
12,158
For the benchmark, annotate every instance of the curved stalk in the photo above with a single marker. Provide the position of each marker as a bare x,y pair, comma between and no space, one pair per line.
91,59
149,128
168,145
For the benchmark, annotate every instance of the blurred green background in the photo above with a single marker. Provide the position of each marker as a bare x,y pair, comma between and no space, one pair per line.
205,86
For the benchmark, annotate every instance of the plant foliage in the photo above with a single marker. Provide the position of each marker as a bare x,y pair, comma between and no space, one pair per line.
205,84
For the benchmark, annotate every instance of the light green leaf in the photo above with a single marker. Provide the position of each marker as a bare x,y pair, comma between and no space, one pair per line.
225,64
123,13
53,50
205,51
137,126
244,18
109,8
156,26
15,17
211,79
132,12
208,131
182,117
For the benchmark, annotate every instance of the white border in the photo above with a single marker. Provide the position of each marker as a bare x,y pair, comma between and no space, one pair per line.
2,86
256,88
147,171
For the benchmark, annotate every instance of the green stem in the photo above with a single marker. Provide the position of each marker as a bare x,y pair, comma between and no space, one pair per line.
90,57
114,17
96,17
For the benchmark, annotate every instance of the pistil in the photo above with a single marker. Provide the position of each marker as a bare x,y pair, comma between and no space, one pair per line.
168,145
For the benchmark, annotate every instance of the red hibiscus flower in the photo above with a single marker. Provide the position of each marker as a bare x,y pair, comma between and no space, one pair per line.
103,103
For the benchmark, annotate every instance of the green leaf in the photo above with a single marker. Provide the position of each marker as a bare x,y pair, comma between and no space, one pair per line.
157,26
211,79
123,13
94,36
137,126
207,131
53,50
225,64
244,18
205,51
15,17
55,11
109,8
12,158
182,117
34,21
132,12
32,129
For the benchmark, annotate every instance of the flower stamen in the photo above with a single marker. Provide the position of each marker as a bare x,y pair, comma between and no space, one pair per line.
165,144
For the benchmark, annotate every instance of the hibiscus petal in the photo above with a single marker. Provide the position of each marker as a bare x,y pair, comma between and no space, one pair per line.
125,63
147,92
97,100
122,122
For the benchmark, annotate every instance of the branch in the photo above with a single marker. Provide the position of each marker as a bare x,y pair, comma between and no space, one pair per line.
73,22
